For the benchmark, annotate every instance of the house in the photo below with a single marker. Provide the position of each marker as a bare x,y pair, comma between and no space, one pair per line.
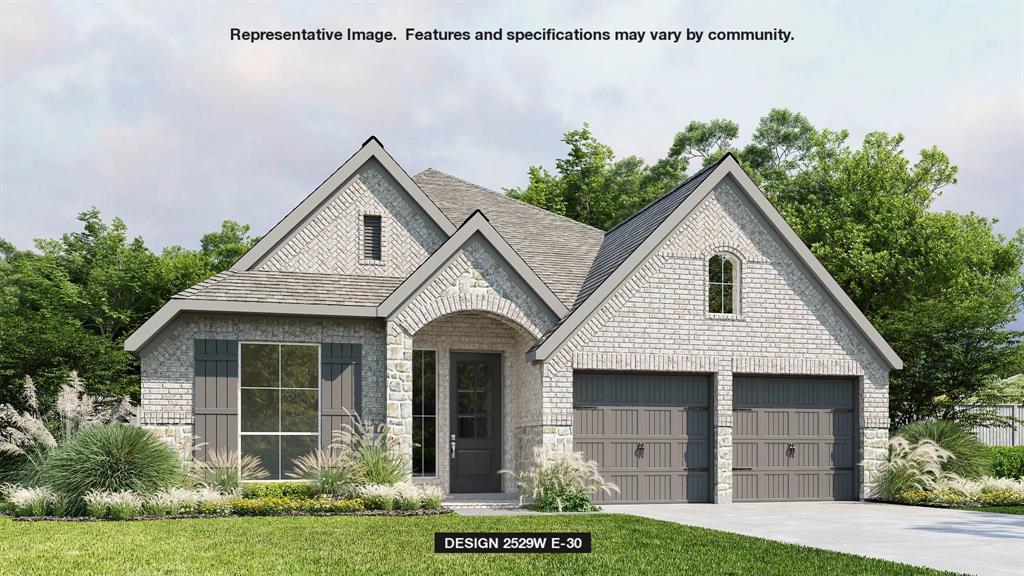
698,351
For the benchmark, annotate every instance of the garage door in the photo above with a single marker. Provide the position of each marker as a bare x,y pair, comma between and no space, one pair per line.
793,439
648,432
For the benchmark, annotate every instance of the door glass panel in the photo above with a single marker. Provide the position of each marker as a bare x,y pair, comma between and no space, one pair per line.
481,428
466,428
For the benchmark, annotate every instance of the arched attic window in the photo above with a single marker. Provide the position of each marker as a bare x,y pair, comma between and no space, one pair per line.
723,284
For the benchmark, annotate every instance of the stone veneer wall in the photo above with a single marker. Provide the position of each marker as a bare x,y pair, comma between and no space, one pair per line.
331,240
520,393
656,321
476,279
168,364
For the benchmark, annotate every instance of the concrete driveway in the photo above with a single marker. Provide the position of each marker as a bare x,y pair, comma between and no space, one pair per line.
969,542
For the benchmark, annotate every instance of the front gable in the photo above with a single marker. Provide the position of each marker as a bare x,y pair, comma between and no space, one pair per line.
324,234
476,270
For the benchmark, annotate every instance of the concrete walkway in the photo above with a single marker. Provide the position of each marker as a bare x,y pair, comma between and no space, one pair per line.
968,542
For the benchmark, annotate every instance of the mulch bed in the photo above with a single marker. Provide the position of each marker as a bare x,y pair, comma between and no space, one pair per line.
420,512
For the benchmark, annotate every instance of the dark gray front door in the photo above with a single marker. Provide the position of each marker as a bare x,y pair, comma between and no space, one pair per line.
793,438
476,421
649,433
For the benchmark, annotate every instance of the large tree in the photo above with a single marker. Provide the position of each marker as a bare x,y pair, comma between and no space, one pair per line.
69,304
941,287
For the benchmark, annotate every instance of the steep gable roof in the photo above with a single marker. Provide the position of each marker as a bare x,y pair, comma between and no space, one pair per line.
626,236
476,224
558,249
372,150
644,233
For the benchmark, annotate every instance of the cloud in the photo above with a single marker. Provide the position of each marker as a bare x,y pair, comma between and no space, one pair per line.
151,113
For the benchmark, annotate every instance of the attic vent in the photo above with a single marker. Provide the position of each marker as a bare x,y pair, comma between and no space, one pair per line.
371,237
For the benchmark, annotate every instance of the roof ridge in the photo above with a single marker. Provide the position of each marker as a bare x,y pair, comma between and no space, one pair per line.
696,175
510,199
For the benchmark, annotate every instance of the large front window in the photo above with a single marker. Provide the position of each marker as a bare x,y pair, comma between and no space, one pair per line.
280,396
424,412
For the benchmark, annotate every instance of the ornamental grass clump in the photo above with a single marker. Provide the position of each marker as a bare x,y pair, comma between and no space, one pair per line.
369,454
110,458
33,501
969,458
328,470
911,467
225,470
115,505
407,496
565,482
431,497
378,496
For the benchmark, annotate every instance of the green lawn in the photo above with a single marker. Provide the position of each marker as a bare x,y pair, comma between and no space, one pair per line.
999,509
622,545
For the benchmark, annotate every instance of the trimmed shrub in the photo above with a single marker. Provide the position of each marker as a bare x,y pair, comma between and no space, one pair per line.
970,458
271,506
278,490
562,482
378,496
1007,461
110,458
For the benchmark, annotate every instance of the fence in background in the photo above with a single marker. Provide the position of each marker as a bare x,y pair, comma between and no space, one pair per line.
1011,436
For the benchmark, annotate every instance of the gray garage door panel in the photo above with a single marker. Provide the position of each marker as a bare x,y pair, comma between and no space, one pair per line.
666,413
793,438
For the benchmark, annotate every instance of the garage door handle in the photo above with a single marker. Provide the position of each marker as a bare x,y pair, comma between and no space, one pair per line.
639,452
741,469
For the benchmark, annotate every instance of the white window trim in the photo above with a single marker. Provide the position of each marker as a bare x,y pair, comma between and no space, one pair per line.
437,429
319,403
384,223
737,292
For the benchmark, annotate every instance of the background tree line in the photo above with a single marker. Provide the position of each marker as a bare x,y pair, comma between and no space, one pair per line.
70,303
941,287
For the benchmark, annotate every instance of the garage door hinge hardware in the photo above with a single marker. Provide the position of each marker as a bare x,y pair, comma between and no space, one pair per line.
741,469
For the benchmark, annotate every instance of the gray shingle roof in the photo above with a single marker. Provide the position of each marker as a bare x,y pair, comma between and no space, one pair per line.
558,249
623,239
293,288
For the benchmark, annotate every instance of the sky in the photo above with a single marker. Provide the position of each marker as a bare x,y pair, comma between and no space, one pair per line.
151,113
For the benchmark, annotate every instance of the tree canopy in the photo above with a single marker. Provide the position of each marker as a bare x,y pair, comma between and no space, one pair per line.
941,287
70,303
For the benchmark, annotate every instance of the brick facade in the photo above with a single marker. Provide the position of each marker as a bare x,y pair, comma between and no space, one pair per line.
657,320
331,241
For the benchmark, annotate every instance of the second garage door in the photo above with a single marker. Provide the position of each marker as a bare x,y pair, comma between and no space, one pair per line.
793,438
648,432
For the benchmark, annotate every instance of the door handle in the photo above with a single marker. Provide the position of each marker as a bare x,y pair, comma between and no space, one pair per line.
453,447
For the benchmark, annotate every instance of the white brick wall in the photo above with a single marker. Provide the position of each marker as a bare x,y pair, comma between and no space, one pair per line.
657,320
331,240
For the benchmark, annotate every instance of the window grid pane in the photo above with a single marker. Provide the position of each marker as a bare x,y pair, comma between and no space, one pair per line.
280,399
721,285
424,392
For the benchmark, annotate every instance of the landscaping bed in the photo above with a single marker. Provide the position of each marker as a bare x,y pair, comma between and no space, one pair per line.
420,512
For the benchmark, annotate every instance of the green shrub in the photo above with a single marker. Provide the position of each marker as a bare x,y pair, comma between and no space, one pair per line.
970,457
1007,461
274,505
110,458
278,490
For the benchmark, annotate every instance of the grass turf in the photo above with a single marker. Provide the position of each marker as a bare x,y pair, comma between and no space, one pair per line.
999,509
622,545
